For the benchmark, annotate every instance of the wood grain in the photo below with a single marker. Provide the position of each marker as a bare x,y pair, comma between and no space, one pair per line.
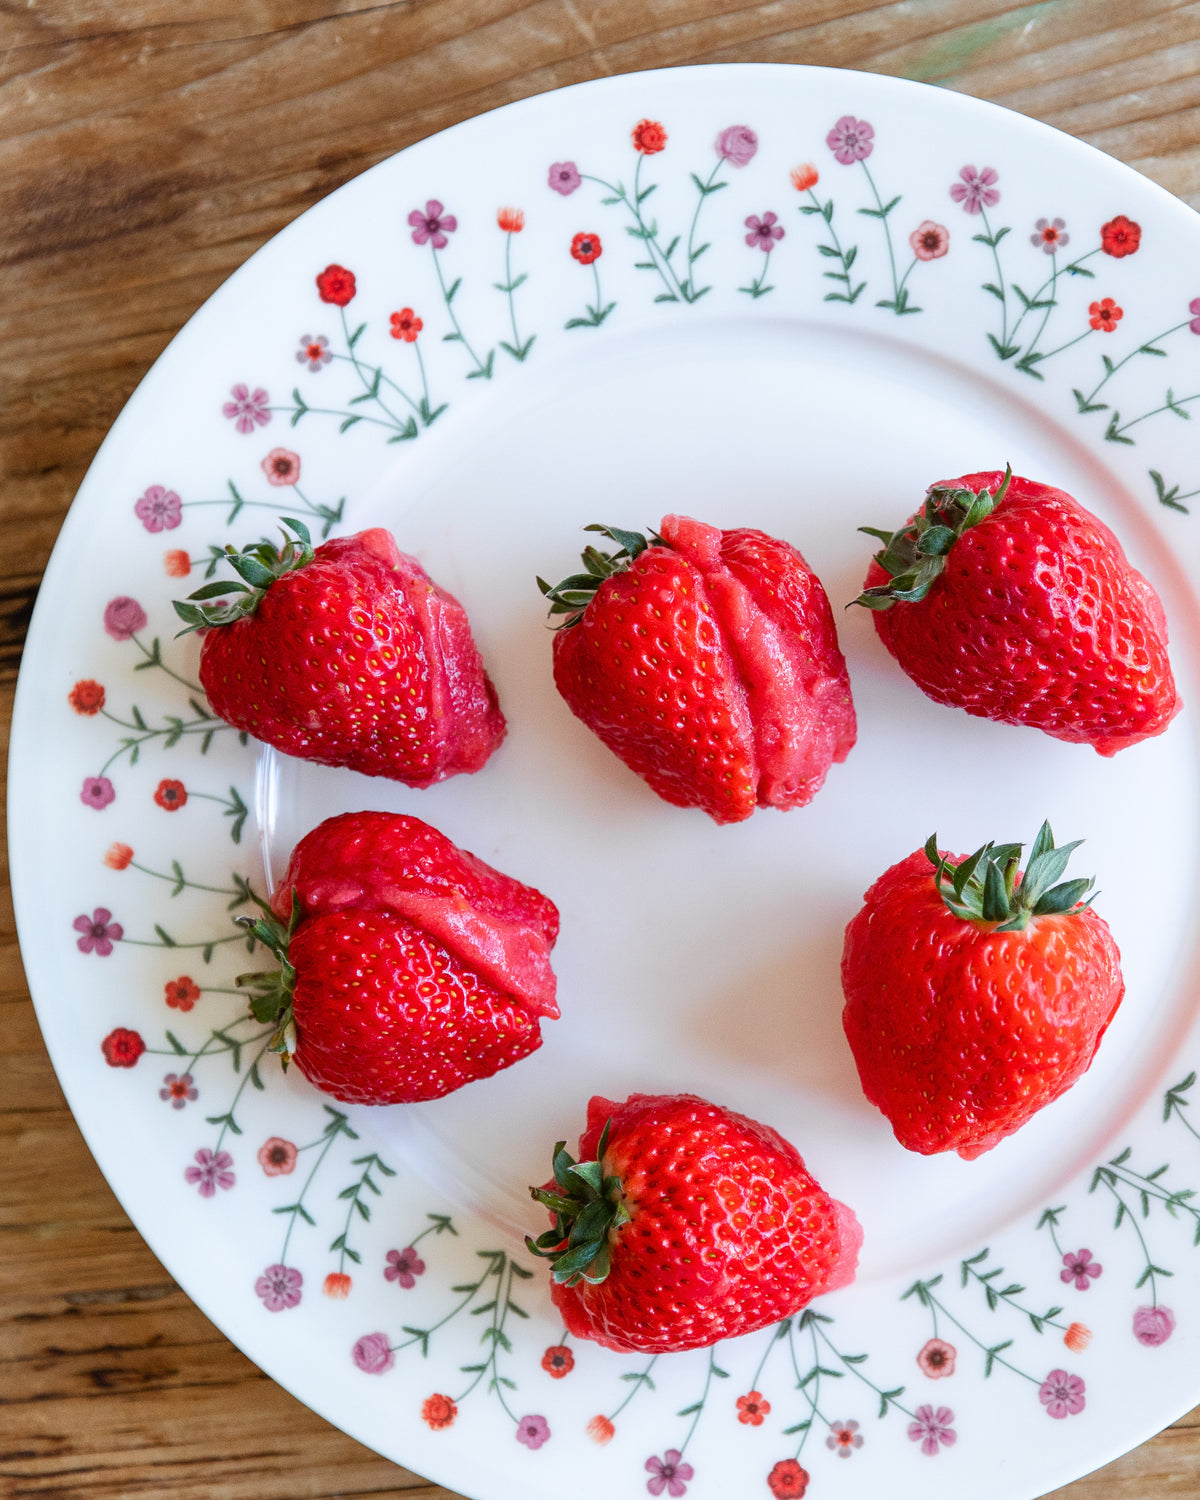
146,149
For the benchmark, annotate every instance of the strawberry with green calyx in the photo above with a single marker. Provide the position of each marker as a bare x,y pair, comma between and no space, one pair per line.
976,995
1005,597
708,661
347,654
408,967
683,1223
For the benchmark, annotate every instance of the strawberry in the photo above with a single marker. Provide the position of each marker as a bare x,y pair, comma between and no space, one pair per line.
975,995
349,655
708,662
1007,598
408,966
683,1223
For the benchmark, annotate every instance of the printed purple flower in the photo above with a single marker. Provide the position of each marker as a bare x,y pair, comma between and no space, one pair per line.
97,792
1153,1325
434,224
279,1288
210,1172
534,1431
1062,1394
159,509
1049,235
1079,1267
736,144
124,617
1194,309
932,1429
763,232
843,1438
404,1266
373,1354
248,409
975,192
670,1473
851,140
564,177
178,1088
99,932
314,351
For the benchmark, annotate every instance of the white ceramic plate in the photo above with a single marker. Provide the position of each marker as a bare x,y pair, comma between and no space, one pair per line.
914,317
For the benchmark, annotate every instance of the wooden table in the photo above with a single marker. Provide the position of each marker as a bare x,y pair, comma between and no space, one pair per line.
146,148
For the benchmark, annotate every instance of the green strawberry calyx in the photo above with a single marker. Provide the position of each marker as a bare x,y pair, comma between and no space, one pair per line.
914,556
270,990
258,567
586,1206
984,887
573,595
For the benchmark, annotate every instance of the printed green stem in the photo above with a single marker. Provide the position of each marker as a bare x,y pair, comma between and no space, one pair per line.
1049,1220
1151,1272
979,1344
227,1121
802,1385
328,411
1143,348
1010,1299
330,1134
372,386
699,1411
688,286
987,229
1049,284
176,729
1079,337
1173,403
637,1382
887,1397
480,367
180,882
668,277
154,659
883,213
354,1200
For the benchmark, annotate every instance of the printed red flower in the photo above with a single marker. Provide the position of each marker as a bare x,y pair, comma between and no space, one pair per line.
929,241
787,1480
181,993
438,1412
752,1408
337,285
277,1157
586,248
1120,237
511,220
1105,315
406,325
600,1430
558,1361
170,795
282,466
1077,1337
649,137
337,1284
86,697
117,856
937,1359
804,177
176,563
122,1048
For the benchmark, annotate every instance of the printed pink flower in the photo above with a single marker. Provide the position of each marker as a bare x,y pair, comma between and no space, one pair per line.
929,241
279,1287
314,351
670,1473
1079,1267
843,1438
122,1048
97,792
787,1480
99,932
1194,309
277,1157
159,509
937,1359
179,1089
558,1361
248,409
1153,1325
975,192
851,140
432,225
763,232
336,285
1048,235
403,1266
438,1412
932,1429
564,177
600,1430
123,618
282,466
533,1432
86,697
210,1172
736,144
373,1354
1062,1394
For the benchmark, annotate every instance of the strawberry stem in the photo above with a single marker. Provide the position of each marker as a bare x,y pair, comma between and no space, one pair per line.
586,1208
984,887
258,566
270,990
573,595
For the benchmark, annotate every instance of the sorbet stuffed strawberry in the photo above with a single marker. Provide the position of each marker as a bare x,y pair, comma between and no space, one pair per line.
976,995
1007,598
349,655
683,1223
408,966
708,661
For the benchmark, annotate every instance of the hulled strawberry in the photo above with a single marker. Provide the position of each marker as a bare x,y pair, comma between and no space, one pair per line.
976,995
408,966
348,654
708,661
1007,598
683,1223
